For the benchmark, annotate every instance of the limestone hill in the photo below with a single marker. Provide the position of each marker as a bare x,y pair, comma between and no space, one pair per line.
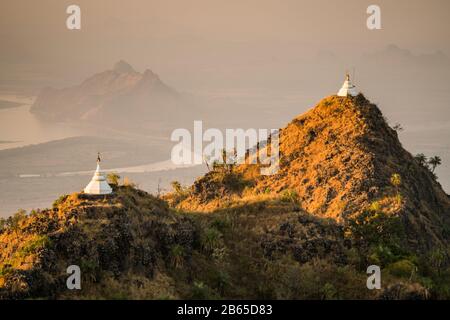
122,236
347,196
339,159
131,245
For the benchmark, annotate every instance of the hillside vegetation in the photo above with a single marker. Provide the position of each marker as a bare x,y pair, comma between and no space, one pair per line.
338,159
133,246
347,196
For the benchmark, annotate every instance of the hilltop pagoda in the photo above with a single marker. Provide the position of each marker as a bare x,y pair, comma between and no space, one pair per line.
348,88
98,184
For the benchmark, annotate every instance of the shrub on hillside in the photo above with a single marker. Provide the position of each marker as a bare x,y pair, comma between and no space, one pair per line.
378,236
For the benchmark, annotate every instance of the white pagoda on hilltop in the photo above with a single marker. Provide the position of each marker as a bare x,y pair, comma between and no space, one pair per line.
98,184
348,88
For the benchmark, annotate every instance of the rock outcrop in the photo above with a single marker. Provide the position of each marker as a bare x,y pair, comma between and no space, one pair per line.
339,159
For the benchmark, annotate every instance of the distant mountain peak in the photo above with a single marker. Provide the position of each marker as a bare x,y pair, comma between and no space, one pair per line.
395,49
123,67
149,74
105,94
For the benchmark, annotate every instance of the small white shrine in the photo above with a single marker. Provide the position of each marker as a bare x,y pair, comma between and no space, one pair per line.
98,184
348,89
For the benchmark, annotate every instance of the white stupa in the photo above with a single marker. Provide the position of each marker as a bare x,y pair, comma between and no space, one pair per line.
98,184
348,89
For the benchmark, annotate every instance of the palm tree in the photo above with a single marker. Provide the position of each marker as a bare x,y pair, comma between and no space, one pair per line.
434,162
421,159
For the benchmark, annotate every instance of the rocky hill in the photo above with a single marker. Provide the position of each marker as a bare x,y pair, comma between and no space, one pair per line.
125,236
339,160
347,196
131,245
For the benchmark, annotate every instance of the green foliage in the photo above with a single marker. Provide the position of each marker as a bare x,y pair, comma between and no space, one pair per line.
375,206
13,222
35,245
177,188
180,192
227,164
59,201
5,270
220,254
398,199
438,258
329,292
222,281
201,291
290,196
446,231
2,224
90,269
221,223
223,173
229,180
177,256
403,268
434,162
375,227
430,163
421,159
396,180
380,255
317,279
113,178
211,239
260,250
233,181
379,236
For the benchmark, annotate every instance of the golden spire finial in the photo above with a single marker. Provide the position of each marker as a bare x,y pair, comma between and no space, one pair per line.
98,157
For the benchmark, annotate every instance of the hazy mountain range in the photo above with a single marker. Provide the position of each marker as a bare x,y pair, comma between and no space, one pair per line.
118,97
125,99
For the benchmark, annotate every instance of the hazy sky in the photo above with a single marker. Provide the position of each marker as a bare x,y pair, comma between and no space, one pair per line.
200,36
